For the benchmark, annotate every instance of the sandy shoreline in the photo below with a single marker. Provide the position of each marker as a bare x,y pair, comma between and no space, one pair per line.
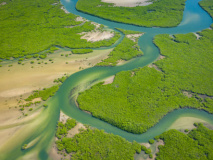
54,154
22,79
18,82
128,3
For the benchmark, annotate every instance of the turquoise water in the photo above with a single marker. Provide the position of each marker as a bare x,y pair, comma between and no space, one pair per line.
43,128
194,19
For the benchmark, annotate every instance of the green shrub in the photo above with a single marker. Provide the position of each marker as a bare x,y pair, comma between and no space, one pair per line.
163,13
151,141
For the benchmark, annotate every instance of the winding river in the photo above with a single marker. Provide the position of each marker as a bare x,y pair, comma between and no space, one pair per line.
41,131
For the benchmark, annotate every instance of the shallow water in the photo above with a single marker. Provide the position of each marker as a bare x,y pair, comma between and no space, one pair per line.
194,19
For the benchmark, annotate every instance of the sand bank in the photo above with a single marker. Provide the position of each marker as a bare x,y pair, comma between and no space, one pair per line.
197,35
18,82
133,37
94,36
128,3
185,123
109,80
64,10
54,154
21,79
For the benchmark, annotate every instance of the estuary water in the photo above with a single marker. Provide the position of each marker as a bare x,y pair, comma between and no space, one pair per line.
194,19
42,130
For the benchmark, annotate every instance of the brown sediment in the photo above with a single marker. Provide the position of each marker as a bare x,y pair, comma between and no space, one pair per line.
109,80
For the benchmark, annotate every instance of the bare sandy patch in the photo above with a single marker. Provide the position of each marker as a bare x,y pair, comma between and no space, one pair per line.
80,19
54,154
64,10
76,130
63,117
147,145
3,3
30,156
94,36
7,133
188,94
133,37
97,25
161,57
154,66
197,35
186,123
128,3
161,142
109,80
16,91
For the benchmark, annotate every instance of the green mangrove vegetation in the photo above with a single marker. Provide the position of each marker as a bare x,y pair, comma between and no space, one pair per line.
126,32
31,26
81,51
96,144
208,6
197,144
138,99
62,129
162,13
126,50
43,94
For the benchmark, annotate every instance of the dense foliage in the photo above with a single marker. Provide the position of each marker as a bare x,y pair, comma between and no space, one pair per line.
32,26
43,94
126,32
207,5
138,99
197,144
188,62
62,129
163,13
81,51
95,144
126,50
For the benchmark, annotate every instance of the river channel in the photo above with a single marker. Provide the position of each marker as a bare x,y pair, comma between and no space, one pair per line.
42,130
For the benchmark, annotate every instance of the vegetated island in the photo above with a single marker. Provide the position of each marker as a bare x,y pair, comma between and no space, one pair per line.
76,141
46,25
161,13
124,51
138,99
196,144
93,143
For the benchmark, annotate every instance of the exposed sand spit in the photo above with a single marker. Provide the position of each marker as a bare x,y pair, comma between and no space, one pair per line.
197,35
94,36
128,3
63,117
109,80
64,10
133,37
185,123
